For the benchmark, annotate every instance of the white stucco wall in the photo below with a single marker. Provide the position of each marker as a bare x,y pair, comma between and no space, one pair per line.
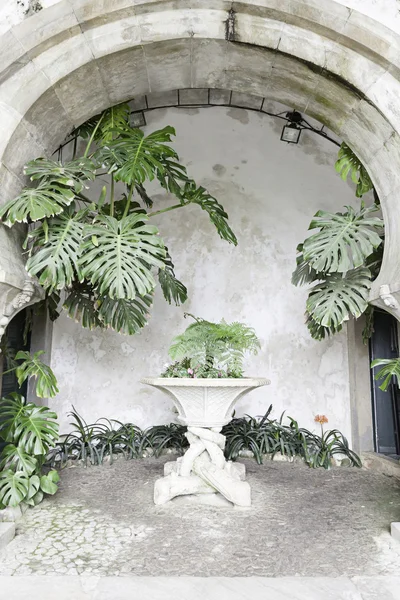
270,190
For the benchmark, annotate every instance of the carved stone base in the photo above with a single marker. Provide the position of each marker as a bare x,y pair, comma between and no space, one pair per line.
203,470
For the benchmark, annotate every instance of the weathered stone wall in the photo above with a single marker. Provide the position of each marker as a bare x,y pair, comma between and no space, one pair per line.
270,190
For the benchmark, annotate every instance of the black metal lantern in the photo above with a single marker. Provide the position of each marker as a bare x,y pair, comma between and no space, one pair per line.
291,132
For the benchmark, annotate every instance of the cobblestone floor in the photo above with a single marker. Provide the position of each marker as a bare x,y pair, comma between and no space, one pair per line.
303,522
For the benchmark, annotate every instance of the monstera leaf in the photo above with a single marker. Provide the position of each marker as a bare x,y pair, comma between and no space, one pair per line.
71,174
344,240
304,273
32,366
48,483
125,316
134,157
118,255
37,430
349,164
390,368
172,288
81,305
106,125
15,458
33,204
192,194
331,302
172,175
55,251
13,487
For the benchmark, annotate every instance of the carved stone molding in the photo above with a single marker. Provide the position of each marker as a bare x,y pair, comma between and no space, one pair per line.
15,299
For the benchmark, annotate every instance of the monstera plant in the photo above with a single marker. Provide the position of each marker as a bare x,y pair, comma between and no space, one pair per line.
27,433
341,258
104,254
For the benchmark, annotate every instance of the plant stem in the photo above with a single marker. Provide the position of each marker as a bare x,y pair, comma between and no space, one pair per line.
75,147
92,136
112,195
158,212
128,201
84,198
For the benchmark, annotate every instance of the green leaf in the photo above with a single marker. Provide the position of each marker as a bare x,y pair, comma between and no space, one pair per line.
172,175
369,324
319,332
34,204
125,316
390,368
134,157
11,410
81,305
33,488
121,262
73,174
47,485
172,288
37,431
191,194
33,366
144,195
332,301
13,487
56,261
37,498
15,458
349,163
113,121
344,240
304,273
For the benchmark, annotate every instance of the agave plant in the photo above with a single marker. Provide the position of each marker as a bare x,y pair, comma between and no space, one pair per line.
105,254
341,258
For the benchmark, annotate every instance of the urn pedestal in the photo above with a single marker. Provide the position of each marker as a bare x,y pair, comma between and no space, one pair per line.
205,406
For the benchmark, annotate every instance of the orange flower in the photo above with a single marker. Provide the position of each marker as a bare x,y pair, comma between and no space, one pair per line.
320,419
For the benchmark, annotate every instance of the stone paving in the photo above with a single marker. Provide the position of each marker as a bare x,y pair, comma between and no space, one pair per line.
303,522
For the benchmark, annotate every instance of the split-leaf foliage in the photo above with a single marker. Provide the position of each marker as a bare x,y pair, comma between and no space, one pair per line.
341,258
104,256
27,433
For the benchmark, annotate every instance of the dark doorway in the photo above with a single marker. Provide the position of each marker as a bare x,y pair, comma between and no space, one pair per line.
15,339
385,405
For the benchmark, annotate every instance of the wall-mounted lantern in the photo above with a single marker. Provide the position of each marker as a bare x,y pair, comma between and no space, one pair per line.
291,132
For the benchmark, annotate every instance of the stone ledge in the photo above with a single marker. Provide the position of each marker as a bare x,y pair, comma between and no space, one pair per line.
381,464
7,533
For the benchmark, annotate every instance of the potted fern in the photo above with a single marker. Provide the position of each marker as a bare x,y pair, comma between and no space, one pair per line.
206,376
205,380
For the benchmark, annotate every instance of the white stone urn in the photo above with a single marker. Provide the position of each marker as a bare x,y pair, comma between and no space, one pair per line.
205,406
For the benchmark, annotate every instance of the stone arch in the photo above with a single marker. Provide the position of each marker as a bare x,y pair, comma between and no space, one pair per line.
77,57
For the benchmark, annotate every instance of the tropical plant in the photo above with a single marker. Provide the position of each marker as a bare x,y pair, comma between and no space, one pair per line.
265,436
341,258
105,255
28,432
349,164
207,349
262,436
390,369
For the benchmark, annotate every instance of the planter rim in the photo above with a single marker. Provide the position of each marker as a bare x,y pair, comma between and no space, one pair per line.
211,382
